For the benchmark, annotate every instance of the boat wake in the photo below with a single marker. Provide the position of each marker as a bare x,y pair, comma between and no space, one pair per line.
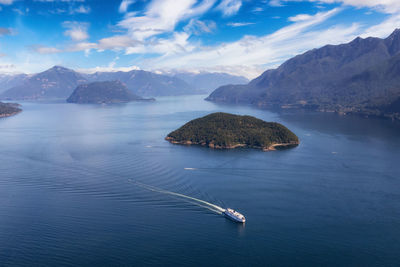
71,185
199,202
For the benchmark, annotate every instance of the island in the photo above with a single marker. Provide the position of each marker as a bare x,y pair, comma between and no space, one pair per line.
106,92
224,131
9,109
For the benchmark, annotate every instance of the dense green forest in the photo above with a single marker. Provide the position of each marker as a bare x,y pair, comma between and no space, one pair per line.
224,130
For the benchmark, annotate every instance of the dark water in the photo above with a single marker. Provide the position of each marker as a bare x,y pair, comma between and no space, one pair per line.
68,194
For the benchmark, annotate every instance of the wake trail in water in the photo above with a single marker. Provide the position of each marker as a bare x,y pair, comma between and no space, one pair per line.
202,203
196,201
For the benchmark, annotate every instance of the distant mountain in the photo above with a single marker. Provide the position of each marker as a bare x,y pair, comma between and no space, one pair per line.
146,83
9,81
362,77
57,82
103,92
206,82
60,82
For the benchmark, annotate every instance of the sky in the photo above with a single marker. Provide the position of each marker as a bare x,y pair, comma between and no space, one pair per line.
241,37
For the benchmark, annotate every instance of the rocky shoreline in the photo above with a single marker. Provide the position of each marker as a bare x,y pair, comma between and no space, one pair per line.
9,109
5,115
272,147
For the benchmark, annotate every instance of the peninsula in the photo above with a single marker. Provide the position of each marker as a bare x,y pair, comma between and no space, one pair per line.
225,131
9,109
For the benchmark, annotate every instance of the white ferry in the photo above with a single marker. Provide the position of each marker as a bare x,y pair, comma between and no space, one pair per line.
234,215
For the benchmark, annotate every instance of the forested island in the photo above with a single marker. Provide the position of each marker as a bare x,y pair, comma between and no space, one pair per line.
104,92
9,109
223,131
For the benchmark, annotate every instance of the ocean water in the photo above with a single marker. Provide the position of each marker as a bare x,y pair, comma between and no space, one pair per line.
75,179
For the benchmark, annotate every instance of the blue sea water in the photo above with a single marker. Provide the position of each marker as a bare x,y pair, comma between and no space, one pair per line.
69,192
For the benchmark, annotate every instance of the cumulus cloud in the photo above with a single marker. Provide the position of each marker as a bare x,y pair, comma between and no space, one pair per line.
229,7
77,31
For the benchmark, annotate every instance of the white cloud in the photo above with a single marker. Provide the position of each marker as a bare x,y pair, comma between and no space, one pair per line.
21,11
300,17
81,10
384,28
276,2
46,50
229,7
162,16
198,27
177,44
82,46
387,6
240,24
258,9
77,31
123,7
117,42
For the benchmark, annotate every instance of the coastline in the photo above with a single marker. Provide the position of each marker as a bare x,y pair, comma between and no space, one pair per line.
10,114
272,147
338,111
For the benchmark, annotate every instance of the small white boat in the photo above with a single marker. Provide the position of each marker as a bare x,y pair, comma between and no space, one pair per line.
234,215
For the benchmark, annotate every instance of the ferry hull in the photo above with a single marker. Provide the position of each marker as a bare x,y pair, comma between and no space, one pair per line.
234,218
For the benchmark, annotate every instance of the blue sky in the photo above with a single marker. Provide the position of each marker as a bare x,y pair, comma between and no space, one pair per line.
236,36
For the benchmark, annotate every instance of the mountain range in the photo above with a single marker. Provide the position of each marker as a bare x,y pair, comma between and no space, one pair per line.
57,82
60,82
361,77
145,83
9,81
